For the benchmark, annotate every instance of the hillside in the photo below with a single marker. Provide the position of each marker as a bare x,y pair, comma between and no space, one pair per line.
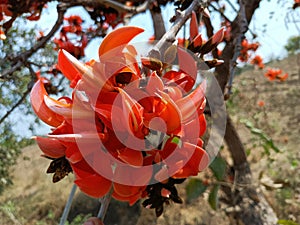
33,199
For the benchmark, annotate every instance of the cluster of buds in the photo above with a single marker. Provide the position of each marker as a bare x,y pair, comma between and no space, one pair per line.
132,127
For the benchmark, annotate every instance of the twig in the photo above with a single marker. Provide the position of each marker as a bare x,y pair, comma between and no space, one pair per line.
181,18
24,95
104,204
67,208
24,56
227,19
231,5
113,4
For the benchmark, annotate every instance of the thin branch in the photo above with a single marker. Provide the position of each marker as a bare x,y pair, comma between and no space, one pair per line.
67,208
181,18
104,204
231,5
24,95
113,4
24,56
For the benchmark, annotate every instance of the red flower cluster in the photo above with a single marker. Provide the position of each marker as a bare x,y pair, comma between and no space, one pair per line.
276,74
74,27
258,61
33,8
108,130
246,47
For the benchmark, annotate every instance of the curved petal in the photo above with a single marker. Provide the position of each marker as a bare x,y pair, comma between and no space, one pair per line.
154,85
50,147
130,199
193,26
93,185
197,162
40,108
133,112
118,37
63,109
66,67
189,104
131,156
187,63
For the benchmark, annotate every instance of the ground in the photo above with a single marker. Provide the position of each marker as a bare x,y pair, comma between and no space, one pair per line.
34,199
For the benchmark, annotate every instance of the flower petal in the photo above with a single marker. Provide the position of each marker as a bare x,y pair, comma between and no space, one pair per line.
193,26
118,37
189,104
51,147
131,156
155,84
187,63
40,108
93,185
66,67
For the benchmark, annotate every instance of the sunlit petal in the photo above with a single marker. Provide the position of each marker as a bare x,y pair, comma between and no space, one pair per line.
189,104
40,108
51,147
113,40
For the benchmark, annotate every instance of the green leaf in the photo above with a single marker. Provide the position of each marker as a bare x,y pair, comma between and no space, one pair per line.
287,222
213,199
194,189
218,167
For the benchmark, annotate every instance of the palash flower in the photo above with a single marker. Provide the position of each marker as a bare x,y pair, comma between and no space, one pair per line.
112,98
273,74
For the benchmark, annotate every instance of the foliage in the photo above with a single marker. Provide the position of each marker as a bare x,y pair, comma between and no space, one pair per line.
9,150
293,45
13,94
262,139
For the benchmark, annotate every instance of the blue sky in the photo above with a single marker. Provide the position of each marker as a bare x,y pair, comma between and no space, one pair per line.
276,34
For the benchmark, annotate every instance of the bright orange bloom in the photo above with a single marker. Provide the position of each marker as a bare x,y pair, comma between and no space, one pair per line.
273,74
261,103
282,77
105,130
258,61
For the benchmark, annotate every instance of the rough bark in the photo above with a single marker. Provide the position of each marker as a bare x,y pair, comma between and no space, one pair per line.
248,205
158,22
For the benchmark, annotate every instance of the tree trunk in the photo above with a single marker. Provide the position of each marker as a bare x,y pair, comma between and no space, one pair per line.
249,207
158,22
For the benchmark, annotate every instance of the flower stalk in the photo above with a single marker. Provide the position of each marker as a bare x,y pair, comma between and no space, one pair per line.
104,205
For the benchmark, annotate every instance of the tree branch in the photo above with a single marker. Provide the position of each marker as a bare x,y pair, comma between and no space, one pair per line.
113,4
22,58
181,18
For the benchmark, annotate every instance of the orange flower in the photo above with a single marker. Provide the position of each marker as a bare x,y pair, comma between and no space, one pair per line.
282,77
261,103
258,61
273,74
108,129
2,34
